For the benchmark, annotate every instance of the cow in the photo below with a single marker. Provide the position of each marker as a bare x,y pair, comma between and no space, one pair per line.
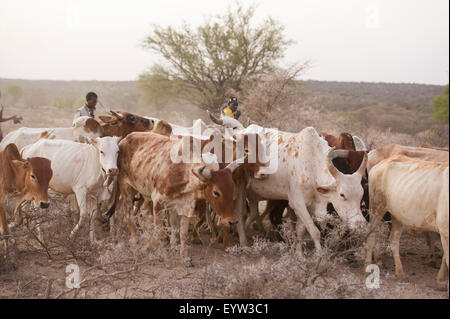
227,122
348,162
123,123
146,167
81,169
307,178
26,179
426,154
444,149
217,140
416,193
351,160
83,129
344,141
423,153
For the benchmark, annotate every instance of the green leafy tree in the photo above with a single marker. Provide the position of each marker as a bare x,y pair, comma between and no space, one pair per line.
15,92
440,107
201,65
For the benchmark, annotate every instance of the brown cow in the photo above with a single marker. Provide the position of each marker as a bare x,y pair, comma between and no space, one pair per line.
146,167
29,178
349,163
343,142
123,123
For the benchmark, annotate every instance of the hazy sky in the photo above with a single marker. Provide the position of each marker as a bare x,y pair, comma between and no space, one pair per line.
347,40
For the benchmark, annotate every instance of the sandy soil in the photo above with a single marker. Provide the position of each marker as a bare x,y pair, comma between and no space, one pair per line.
37,276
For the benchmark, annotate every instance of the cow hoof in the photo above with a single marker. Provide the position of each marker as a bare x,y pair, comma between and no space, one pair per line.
403,280
442,286
188,263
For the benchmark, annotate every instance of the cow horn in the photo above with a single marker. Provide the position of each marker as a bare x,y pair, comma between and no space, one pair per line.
120,116
214,119
235,164
333,170
362,168
206,174
340,154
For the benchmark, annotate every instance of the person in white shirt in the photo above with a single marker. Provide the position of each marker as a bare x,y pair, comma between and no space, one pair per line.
88,109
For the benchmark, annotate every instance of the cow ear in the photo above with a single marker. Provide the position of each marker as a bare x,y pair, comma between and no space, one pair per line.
20,164
325,189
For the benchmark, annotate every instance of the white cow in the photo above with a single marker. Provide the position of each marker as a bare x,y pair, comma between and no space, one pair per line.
307,178
416,193
83,129
80,169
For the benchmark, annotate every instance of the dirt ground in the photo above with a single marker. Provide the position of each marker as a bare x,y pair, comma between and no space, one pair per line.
117,270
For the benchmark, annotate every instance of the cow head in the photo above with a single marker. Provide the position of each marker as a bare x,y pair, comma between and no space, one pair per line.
123,123
345,192
227,122
219,189
108,148
36,174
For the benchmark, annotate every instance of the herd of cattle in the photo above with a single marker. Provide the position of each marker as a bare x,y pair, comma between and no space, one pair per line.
127,160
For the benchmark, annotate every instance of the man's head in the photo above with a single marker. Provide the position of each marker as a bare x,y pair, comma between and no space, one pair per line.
233,103
91,99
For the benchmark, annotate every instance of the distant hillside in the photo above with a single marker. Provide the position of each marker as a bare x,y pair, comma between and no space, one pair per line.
402,108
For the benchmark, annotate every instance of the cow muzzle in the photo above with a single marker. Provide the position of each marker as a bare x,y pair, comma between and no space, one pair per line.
113,171
44,204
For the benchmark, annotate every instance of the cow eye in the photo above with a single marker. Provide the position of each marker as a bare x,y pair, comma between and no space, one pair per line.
342,195
216,194
101,152
33,177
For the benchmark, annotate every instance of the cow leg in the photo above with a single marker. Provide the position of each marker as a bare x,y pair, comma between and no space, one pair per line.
81,196
4,227
301,229
94,215
304,218
128,194
442,275
174,221
184,239
394,239
211,224
377,211
444,265
254,216
158,213
241,212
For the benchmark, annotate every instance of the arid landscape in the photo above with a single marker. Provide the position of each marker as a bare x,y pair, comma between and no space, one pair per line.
380,113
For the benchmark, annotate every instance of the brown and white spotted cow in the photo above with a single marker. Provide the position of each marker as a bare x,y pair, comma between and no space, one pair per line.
24,179
146,167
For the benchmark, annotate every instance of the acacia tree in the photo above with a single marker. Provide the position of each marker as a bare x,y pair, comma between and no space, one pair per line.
201,65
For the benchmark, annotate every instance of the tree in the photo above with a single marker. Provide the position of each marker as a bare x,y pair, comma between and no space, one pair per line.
202,65
440,107
14,91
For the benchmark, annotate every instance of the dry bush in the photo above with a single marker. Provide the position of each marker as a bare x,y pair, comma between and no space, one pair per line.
279,270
